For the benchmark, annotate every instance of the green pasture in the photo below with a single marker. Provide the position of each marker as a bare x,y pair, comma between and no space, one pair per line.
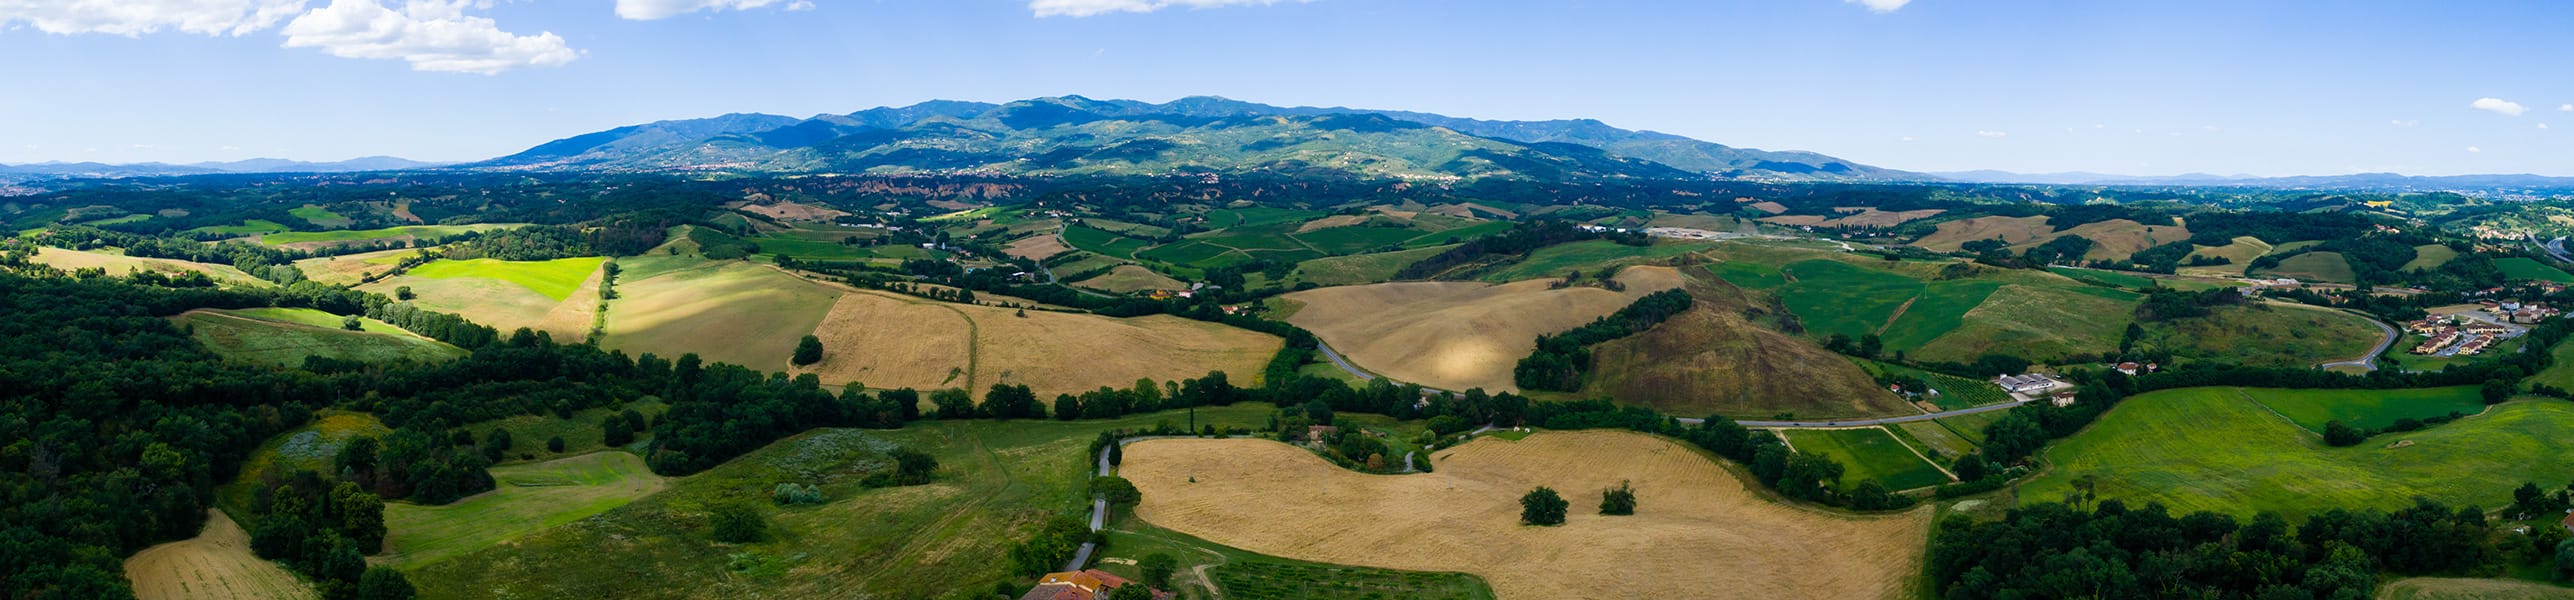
2267,335
1749,275
1104,243
2103,277
1971,427
1954,392
2561,372
2430,256
1933,438
285,336
1224,218
250,227
361,235
2219,449
584,433
2318,266
320,217
1868,454
554,278
2521,268
1589,257
1363,268
529,498
2367,409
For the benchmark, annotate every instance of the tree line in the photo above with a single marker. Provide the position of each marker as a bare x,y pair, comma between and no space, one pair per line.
1561,359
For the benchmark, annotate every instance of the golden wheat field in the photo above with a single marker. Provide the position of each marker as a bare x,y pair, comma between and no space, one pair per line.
1699,531
215,565
348,269
1458,335
1950,236
503,305
118,265
887,340
1037,247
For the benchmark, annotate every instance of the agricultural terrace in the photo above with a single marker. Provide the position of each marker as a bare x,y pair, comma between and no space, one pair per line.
1868,454
558,297
1458,335
890,340
996,481
530,498
1699,529
2519,268
285,336
215,565
2223,450
407,233
120,265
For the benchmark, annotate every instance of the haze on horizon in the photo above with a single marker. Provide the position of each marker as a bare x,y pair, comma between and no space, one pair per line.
1929,85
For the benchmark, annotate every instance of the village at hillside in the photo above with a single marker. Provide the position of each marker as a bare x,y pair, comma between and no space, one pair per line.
2468,329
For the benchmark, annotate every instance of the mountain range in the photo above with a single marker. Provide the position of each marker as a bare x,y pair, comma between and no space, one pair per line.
2376,182
1072,135
255,165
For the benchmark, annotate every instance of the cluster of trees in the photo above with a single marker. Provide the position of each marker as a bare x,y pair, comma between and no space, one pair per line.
1560,360
2338,433
1807,477
2051,550
273,264
2166,304
324,530
539,242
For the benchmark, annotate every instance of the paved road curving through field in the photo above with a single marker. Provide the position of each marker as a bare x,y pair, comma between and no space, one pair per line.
1869,422
2368,362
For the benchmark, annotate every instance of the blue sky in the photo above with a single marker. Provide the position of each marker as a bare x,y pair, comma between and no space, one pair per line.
2264,88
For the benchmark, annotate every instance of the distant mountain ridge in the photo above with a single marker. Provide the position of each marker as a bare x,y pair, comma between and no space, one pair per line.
1073,135
2387,182
255,165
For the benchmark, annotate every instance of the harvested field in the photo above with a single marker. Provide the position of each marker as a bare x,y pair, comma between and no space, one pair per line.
1363,268
1952,235
120,265
1800,220
1331,222
1871,217
888,340
1037,247
349,269
792,211
2461,588
2114,239
1457,335
1128,279
215,565
1699,531
530,498
725,311
2240,253
1769,207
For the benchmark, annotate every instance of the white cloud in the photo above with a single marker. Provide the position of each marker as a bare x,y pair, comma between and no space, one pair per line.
2475,150
1881,6
1992,134
2499,106
2565,107
1092,8
138,17
2542,126
433,35
2403,123
1906,139
646,10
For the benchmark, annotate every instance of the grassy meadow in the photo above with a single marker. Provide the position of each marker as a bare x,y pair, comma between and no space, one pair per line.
553,278
1868,454
285,336
1358,269
2520,268
2367,409
281,237
310,447
531,497
119,265
995,481
2223,450
2267,335
2314,266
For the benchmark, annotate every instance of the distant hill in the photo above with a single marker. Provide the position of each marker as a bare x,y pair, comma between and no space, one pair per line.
2376,182
64,170
1073,135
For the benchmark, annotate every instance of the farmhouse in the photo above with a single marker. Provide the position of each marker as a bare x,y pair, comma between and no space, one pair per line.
1319,433
2022,384
2062,399
1080,585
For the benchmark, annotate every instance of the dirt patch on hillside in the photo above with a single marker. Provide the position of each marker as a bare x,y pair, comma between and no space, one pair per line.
1699,531
887,340
1037,247
1711,360
792,211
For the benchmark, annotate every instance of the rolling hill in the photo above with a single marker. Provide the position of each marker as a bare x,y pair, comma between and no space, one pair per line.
1073,135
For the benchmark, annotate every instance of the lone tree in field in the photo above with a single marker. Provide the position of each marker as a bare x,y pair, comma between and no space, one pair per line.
1619,500
738,523
1542,506
351,324
404,294
808,351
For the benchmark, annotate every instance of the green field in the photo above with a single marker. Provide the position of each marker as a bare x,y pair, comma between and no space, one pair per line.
2267,335
530,498
320,217
1225,218
1971,427
1363,268
2430,256
2561,372
2367,409
1749,275
996,481
2038,320
1869,454
554,278
359,235
2519,268
1103,243
1251,576
1589,257
1834,297
132,218
2217,449
250,227
2108,278
285,336
2316,266
1933,438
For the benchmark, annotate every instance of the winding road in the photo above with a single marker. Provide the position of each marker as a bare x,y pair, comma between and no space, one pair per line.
2368,362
